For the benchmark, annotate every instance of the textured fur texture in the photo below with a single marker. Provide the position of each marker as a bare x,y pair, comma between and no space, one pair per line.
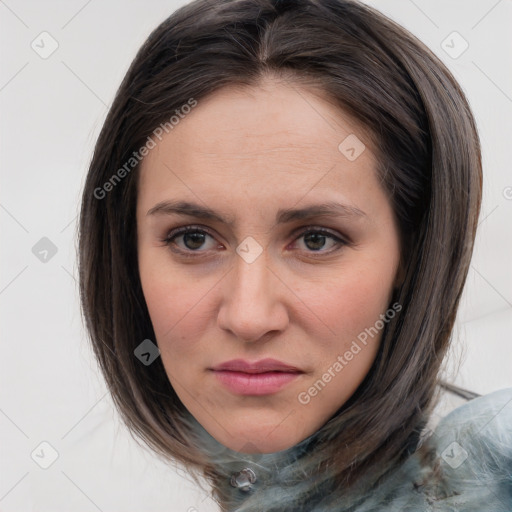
464,465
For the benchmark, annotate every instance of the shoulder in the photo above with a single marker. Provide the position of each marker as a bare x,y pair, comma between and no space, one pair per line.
464,465
473,444
488,416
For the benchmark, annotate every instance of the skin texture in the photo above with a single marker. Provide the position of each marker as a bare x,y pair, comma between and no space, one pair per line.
246,153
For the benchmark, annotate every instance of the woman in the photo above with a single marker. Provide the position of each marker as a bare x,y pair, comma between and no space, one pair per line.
276,228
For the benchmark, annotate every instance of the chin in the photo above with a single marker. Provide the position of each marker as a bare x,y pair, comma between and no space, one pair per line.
252,437
258,444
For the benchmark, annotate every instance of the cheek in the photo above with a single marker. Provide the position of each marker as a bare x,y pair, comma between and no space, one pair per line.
351,300
351,307
177,301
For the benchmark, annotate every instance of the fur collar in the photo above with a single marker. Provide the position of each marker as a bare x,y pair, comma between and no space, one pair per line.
465,464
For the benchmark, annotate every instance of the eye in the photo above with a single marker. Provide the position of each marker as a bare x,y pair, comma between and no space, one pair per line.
190,239
315,239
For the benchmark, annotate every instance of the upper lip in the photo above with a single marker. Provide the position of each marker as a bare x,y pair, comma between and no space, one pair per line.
261,366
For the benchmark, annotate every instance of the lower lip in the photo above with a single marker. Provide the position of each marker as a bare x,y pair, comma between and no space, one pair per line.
255,383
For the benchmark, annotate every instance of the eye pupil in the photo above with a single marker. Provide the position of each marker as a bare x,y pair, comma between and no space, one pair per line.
197,238
317,239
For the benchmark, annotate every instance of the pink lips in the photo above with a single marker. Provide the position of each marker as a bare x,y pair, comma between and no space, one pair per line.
262,377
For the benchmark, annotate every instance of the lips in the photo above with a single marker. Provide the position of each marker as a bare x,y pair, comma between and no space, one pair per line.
264,377
262,366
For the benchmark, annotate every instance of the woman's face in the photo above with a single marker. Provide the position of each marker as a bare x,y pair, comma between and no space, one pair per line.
264,272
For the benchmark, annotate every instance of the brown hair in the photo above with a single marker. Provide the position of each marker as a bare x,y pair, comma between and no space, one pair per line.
429,162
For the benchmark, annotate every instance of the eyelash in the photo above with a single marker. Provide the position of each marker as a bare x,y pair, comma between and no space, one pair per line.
169,239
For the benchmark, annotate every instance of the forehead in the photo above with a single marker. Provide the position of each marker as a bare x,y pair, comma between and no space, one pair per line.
275,139
275,115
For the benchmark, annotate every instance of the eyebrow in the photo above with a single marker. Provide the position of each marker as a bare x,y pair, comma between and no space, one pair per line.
328,209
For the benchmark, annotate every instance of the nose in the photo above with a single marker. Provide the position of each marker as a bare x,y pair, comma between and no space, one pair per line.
253,305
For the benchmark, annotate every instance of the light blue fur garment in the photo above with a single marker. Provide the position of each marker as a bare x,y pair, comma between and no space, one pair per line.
469,470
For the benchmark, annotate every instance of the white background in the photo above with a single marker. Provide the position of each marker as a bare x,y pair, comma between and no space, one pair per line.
51,113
